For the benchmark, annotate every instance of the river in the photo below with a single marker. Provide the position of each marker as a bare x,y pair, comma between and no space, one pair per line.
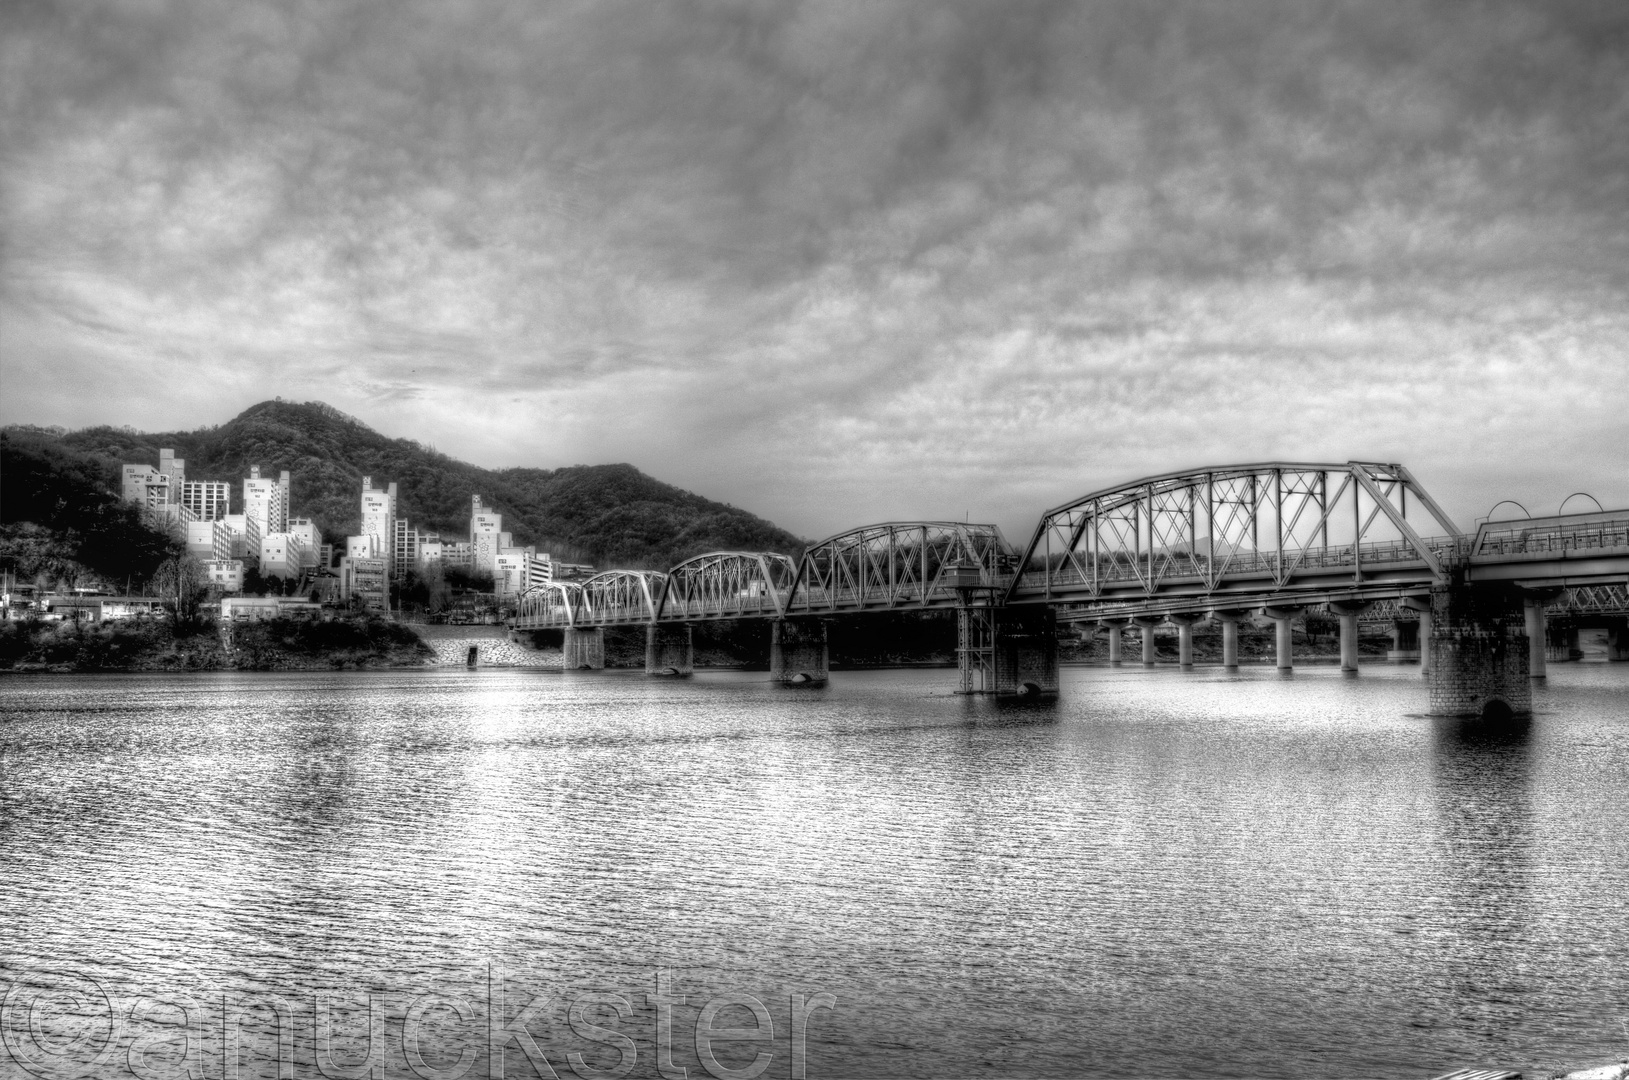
1161,874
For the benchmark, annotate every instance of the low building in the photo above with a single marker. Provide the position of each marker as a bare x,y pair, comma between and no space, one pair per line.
257,608
102,608
365,546
225,574
365,580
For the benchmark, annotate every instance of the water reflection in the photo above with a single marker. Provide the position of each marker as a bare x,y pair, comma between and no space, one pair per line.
1483,770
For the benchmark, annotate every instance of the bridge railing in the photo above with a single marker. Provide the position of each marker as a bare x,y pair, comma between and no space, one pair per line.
1553,536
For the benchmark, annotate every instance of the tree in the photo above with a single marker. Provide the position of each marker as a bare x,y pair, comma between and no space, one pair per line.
182,584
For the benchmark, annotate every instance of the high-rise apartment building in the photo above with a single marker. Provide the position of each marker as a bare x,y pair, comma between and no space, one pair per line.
158,492
266,501
207,500
209,540
310,537
486,537
379,518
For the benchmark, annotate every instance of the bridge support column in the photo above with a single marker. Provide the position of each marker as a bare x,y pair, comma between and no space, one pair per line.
583,647
1184,624
1230,637
1423,606
1533,603
1286,634
1115,641
1348,611
1147,624
1479,651
1026,652
668,649
798,653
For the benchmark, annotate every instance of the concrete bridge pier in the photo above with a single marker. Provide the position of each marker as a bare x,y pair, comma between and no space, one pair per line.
1348,611
668,649
1479,651
1230,637
1147,624
583,647
1184,624
1422,604
798,653
1113,626
1285,637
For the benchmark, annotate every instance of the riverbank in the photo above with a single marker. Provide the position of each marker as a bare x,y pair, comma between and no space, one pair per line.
161,645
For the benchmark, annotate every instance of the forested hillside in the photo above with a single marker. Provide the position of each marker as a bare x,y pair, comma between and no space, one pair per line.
604,514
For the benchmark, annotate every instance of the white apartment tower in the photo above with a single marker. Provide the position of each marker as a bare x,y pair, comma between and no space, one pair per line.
379,519
266,501
486,537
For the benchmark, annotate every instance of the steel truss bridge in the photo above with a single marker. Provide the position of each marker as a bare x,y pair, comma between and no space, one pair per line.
1183,544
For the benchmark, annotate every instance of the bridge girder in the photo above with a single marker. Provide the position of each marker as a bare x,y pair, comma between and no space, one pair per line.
1264,527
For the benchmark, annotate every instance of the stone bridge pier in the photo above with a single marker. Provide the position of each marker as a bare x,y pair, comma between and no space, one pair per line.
668,649
583,647
1026,652
798,654
1478,650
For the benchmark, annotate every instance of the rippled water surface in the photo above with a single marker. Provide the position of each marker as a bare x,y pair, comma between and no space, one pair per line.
1161,874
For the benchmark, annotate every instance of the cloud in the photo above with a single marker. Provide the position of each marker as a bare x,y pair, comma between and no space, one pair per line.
839,261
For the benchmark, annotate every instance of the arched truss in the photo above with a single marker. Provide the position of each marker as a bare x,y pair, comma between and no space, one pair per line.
897,564
621,596
555,603
1260,525
727,585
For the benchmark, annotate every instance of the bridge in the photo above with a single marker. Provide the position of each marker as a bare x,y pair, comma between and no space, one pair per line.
1225,544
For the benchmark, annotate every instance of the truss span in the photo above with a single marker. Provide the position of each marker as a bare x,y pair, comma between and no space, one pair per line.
728,585
898,564
555,603
622,596
1236,531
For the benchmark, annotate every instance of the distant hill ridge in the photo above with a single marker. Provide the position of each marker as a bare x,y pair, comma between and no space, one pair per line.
610,515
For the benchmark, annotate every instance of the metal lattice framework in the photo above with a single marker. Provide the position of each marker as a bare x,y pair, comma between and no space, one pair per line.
1592,600
554,603
727,585
1259,527
621,596
896,564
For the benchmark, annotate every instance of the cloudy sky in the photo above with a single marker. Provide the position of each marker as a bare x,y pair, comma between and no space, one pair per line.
838,261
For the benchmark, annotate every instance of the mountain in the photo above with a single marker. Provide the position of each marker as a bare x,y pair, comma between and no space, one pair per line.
608,515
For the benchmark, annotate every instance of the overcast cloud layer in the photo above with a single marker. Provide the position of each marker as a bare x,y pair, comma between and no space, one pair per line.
838,262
